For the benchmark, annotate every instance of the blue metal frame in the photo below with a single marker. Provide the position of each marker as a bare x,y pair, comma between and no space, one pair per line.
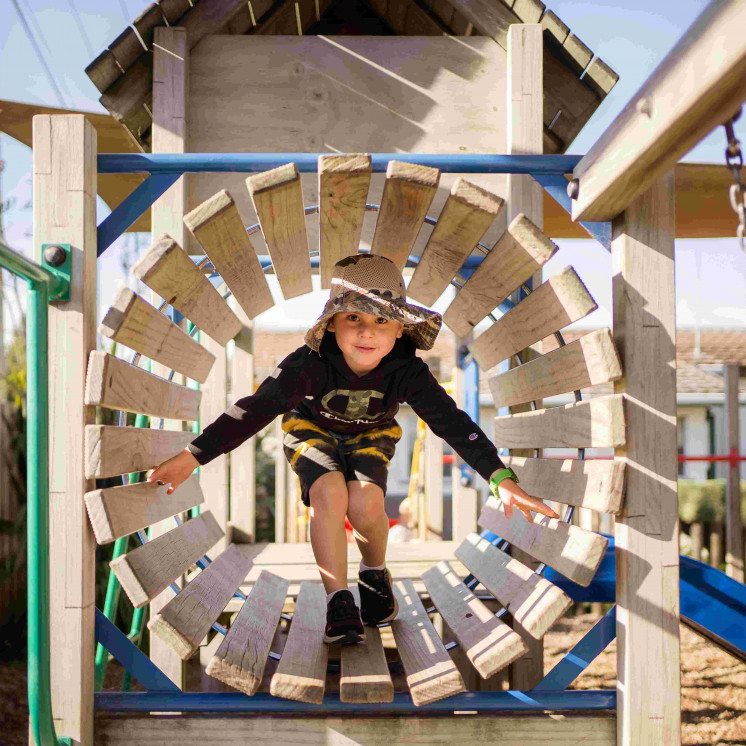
163,695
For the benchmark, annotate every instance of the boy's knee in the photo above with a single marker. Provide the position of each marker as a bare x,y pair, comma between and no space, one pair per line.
329,494
366,504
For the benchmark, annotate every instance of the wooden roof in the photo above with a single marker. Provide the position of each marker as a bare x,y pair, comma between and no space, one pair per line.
123,72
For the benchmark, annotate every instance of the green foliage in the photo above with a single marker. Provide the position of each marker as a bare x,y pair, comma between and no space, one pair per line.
13,384
705,500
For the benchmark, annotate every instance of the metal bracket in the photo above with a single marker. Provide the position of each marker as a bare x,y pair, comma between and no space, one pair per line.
59,267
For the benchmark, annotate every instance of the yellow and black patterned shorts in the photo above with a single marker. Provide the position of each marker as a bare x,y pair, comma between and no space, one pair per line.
314,451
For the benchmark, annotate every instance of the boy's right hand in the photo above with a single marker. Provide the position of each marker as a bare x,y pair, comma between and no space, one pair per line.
174,471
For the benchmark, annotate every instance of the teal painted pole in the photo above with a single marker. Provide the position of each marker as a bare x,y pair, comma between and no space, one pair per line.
37,437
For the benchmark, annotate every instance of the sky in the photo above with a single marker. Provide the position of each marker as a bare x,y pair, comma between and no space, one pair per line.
632,36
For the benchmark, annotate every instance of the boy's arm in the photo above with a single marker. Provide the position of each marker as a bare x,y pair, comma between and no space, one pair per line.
431,403
292,380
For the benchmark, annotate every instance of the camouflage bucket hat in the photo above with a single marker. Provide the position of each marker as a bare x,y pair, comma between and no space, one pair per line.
370,283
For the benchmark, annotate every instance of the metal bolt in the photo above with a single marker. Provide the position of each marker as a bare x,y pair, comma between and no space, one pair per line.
573,188
55,256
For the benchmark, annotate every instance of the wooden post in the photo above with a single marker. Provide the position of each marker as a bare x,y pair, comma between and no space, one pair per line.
716,543
65,181
696,534
170,86
734,557
243,459
433,453
647,529
525,111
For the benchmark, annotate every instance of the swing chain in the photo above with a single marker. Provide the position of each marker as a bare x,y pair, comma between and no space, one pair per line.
737,193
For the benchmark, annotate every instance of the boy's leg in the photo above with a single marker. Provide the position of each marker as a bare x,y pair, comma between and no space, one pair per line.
368,517
329,503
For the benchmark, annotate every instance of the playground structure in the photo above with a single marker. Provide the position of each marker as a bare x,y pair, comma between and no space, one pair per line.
626,180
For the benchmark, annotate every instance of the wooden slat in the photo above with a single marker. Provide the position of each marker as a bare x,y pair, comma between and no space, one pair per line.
534,602
597,423
173,10
146,22
587,361
104,70
466,216
487,641
185,621
133,322
407,195
551,23
521,252
600,77
278,200
579,55
696,87
167,269
559,301
365,673
111,450
218,227
571,550
529,11
120,511
242,656
129,100
126,48
301,674
597,485
431,674
344,181
147,570
116,384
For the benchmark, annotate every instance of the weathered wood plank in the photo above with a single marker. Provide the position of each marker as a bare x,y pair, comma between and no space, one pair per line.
567,729
533,601
734,549
578,53
126,48
465,218
600,77
278,200
365,675
521,252
488,642
597,485
147,570
301,674
344,181
647,530
597,423
218,227
146,22
431,674
114,383
64,195
167,269
133,322
119,511
571,550
104,70
697,86
111,450
407,195
559,301
587,361
241,658
185,621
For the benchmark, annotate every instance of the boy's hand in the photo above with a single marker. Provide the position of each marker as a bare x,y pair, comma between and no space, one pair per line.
174,471
512,495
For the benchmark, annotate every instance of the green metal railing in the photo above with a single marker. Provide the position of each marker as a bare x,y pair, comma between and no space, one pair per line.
43,286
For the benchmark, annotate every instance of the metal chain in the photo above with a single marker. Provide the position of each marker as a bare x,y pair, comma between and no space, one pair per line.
737,193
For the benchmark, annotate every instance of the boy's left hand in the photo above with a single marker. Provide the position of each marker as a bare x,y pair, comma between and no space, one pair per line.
512,495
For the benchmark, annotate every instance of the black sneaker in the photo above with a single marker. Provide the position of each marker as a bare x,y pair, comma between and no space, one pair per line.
343,623
377,601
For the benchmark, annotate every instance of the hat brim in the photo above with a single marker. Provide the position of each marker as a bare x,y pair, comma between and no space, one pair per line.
420,324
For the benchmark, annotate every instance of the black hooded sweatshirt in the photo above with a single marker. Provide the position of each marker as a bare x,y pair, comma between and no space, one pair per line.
322,388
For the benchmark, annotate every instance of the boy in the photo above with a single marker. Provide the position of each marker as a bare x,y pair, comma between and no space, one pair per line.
339,394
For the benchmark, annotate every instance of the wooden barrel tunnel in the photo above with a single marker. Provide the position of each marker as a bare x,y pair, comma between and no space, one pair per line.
533,601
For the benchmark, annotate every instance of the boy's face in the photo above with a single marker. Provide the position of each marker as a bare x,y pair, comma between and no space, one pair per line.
364,339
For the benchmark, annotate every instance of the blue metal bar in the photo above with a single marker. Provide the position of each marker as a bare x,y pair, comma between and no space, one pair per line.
130,210
556,186
131,657
172,163
262,703
582,655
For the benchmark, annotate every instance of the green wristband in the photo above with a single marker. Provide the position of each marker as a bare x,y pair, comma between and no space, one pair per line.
506,473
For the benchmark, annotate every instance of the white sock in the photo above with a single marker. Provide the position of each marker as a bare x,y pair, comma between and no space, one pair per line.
329,595
364,567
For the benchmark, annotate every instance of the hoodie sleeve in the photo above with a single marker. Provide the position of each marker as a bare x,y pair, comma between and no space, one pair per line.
432,404
295,377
